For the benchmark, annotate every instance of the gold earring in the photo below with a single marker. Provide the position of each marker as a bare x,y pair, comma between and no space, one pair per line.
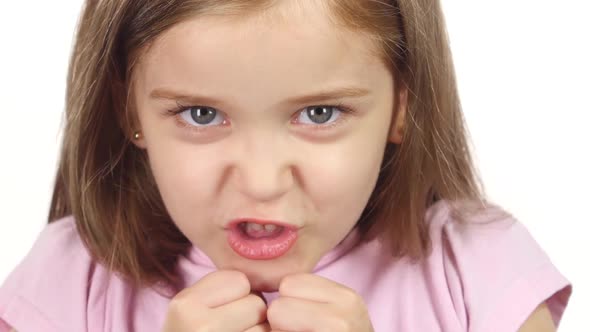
137,135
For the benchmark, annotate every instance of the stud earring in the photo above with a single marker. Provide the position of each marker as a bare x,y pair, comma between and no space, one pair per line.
137,135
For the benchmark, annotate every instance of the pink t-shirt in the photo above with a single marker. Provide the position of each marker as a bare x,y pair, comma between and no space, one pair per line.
480,277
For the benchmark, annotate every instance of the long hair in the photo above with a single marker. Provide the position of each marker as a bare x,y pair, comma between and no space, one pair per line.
106,183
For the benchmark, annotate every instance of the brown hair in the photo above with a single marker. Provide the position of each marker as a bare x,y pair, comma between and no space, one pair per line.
105,182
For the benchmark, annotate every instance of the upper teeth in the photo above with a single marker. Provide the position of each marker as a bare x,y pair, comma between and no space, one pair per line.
270,227
258,227
254,227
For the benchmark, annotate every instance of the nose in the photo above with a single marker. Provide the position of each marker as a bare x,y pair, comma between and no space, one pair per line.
263,171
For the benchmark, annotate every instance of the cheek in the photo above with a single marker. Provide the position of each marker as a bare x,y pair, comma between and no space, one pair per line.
186,177
185,173
342,177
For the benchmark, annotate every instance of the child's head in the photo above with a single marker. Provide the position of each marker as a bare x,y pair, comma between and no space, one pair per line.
185,116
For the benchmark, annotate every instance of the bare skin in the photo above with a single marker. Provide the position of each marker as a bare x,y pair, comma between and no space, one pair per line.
262,155
315,176
220,301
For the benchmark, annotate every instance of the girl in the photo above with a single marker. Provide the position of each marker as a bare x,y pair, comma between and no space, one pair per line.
241,165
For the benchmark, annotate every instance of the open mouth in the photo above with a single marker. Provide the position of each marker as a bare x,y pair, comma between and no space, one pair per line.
257,231
259,240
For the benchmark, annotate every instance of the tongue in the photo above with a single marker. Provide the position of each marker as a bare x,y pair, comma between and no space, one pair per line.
261,233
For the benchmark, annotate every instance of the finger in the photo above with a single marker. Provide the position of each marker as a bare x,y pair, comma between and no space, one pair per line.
291,314
246,313
265,327
228,285
259,294
315,288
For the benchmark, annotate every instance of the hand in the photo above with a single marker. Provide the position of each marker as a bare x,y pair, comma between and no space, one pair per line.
220,301
311,303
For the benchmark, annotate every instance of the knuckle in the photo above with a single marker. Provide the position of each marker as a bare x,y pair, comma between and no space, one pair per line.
206,327
257,301
239,279
273,310
260,302
338,324
184,294
242,280
230,274
235,274
181,314
209,325
178,303
287,283
183,300
350,298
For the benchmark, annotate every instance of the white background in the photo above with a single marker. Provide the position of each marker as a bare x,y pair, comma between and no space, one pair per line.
523,71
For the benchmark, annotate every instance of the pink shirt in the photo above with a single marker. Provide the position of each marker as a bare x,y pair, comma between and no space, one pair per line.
479,278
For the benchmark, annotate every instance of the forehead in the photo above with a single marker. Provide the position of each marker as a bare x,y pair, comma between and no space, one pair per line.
281,48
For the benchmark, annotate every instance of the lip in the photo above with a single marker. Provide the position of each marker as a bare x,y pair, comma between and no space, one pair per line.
261,248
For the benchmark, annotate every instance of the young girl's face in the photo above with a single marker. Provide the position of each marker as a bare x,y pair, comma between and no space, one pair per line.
286,117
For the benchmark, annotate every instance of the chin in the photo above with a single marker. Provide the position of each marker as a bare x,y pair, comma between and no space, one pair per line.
266,276
266,285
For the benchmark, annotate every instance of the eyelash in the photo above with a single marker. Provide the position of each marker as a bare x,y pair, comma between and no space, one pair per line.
175,112
346,111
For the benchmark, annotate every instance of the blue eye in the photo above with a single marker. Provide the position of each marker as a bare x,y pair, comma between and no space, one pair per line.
199,116
318,115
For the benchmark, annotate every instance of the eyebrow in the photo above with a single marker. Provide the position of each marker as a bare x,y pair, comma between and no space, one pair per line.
318,97
339,93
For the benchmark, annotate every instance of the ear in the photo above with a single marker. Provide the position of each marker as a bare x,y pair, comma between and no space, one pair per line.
396,133
137,139
128,117
132,129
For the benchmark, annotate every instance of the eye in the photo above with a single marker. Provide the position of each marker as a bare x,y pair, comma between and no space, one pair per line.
200,116
319,115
